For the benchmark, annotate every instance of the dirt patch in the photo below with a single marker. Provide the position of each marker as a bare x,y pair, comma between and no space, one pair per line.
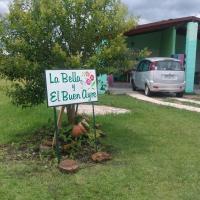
80,149
193,97
27,149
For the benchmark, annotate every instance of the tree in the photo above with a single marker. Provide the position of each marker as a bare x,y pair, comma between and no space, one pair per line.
52,34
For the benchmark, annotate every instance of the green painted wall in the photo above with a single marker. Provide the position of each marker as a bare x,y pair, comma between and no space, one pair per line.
161,43
180,44
150,40
168,42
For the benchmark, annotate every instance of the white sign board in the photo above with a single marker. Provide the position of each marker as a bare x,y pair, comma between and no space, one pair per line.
70,86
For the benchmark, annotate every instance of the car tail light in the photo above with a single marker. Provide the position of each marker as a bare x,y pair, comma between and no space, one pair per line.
182,66
153,66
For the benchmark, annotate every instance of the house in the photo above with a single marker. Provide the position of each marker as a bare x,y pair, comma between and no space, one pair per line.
169,37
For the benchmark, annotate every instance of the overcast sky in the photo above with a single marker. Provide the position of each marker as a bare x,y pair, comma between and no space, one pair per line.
150,10
4,6
155,10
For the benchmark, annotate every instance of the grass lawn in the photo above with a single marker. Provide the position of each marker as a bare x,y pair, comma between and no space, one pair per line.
156,156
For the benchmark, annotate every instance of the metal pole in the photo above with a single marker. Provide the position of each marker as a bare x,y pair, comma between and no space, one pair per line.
56,131
94,127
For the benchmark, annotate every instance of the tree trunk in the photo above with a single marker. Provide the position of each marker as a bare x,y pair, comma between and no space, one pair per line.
59,121
71,113
76,111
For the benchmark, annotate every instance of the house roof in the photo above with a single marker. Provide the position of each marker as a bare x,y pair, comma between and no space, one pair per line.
160,25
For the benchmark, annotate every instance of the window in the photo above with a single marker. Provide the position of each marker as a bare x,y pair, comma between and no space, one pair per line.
139,68
169,65
143,66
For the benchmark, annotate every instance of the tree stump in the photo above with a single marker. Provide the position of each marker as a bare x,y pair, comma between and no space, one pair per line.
101,156
68,166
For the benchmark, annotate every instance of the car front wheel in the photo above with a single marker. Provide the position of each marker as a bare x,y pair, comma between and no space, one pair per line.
147,91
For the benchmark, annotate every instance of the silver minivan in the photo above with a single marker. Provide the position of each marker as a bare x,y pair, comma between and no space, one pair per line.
159,74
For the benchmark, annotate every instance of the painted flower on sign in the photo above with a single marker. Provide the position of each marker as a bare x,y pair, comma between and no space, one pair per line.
88,81
91,77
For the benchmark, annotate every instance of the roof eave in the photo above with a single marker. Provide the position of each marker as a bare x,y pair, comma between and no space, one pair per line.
155,26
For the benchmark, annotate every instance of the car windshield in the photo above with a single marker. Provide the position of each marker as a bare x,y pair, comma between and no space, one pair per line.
169,65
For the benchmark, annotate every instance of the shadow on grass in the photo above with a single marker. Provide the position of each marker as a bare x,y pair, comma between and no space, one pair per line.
125,138
33,134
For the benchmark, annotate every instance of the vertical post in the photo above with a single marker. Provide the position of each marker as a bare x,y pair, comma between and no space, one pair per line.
173,50
191,44
56,131
94,127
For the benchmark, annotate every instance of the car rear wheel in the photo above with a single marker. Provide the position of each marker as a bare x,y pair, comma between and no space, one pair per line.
147,91
133,85
179,94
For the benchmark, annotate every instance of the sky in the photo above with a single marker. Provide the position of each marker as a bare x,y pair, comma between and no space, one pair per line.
4,6
156,10
150,10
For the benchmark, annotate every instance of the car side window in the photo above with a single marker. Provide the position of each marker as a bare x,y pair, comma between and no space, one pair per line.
145,66
140,66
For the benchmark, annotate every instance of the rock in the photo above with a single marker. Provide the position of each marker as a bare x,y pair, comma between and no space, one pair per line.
76,131
82,128
101,156
68,166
